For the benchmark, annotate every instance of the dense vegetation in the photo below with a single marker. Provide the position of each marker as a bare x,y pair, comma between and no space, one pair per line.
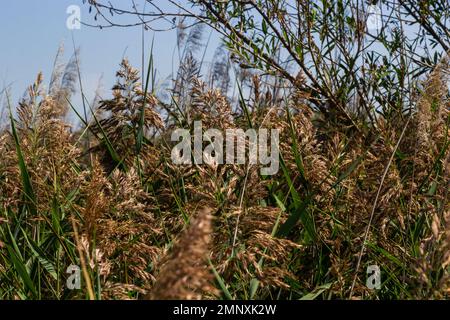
364,162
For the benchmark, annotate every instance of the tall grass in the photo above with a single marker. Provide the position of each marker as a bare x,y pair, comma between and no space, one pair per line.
138,226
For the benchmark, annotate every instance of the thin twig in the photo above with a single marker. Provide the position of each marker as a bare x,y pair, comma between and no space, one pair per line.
375,205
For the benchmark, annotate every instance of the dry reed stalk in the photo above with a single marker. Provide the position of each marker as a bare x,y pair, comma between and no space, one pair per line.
86,276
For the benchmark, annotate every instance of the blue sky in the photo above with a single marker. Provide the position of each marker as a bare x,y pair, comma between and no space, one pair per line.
32,30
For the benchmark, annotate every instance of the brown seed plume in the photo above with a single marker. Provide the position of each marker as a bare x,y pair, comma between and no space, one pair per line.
184,274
